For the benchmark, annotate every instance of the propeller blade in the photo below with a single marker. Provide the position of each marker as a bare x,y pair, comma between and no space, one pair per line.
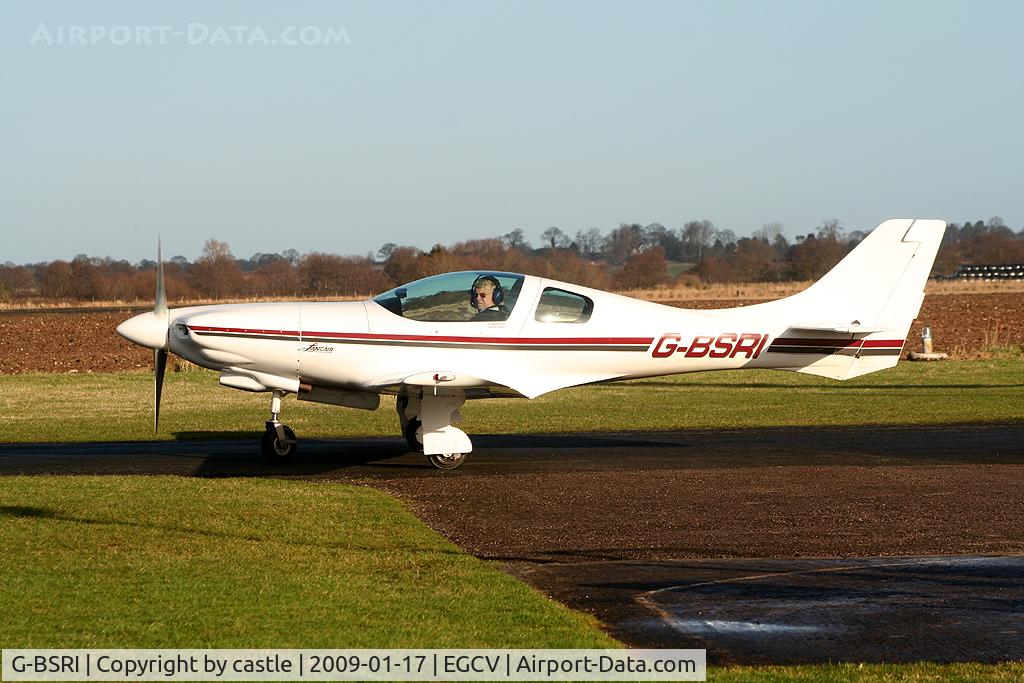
159,364
160,307
161,313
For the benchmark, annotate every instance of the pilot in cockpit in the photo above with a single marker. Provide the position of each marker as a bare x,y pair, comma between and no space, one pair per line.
486,296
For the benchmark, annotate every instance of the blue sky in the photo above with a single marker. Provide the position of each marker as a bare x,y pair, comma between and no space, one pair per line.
436,122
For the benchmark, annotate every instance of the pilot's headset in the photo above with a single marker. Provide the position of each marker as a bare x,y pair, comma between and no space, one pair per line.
497,296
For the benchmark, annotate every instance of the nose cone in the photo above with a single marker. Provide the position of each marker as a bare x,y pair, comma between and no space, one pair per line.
145,329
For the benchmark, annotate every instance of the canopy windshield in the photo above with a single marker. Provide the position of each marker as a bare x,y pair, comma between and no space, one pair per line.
449,297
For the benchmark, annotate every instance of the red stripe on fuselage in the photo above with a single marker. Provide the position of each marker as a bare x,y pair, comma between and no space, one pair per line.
428,337
882,343
839,343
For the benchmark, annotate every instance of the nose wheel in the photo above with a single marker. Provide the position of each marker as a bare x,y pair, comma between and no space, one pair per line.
278,443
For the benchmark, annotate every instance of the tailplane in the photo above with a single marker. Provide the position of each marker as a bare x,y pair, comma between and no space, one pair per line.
855,319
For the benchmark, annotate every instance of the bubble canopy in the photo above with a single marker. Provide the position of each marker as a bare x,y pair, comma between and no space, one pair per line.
447,297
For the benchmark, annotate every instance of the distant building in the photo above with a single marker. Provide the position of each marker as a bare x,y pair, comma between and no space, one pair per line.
989,272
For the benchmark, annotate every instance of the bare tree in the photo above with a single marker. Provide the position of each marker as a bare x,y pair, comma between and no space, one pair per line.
644,269
724,241
813,257
697,236
769,232
214,250
651,235
403,265
555,238
515,239
331,275
56,280
995,223
623,242
16,282
216,273
754,260
275,277
589,242
830,229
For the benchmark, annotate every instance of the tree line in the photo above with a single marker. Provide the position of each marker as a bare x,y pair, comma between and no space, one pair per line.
630,256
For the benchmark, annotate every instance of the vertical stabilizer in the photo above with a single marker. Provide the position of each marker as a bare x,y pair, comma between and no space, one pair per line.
858,315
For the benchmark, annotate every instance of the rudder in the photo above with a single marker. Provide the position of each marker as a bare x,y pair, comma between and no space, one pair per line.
869,299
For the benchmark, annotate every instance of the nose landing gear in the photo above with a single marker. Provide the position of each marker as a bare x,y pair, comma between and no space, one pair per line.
278,443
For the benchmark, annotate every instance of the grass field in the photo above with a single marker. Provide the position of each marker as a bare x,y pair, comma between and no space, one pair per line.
243,563
118,407
174,562
163,561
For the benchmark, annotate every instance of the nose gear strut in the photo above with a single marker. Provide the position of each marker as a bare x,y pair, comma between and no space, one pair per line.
278,443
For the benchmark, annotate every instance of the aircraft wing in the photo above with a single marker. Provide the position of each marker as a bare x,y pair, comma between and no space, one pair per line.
501,383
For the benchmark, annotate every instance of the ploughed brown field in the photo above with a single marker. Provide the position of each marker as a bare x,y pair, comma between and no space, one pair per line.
965,324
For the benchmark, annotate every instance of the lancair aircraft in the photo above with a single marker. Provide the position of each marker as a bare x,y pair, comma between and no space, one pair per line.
433,345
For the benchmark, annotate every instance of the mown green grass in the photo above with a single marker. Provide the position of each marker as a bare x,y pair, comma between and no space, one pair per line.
133,562
116,407
174,562
151,562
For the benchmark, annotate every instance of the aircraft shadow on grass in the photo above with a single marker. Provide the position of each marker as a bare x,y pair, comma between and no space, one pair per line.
29,512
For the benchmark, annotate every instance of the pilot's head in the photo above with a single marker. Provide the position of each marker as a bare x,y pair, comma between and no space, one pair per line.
483,293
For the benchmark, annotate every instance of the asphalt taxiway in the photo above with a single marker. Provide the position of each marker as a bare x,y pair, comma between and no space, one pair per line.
796,611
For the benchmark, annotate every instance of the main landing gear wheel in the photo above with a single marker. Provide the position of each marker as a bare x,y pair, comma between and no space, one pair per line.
447,461
433,414
276,451
409,432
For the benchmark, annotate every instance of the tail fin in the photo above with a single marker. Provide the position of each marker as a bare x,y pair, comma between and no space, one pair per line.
862,309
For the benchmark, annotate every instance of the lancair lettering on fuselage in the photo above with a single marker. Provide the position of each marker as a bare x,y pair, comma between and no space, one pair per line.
318,348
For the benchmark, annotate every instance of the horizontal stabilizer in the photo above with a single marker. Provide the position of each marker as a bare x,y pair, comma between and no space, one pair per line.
853,328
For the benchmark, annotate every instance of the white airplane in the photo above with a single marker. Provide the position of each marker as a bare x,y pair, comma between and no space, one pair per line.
420,343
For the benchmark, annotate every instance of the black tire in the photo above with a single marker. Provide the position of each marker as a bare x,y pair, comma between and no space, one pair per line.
274,451
447,461
409,432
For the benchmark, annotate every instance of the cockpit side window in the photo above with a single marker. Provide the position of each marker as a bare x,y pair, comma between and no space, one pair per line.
560,306
449,297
